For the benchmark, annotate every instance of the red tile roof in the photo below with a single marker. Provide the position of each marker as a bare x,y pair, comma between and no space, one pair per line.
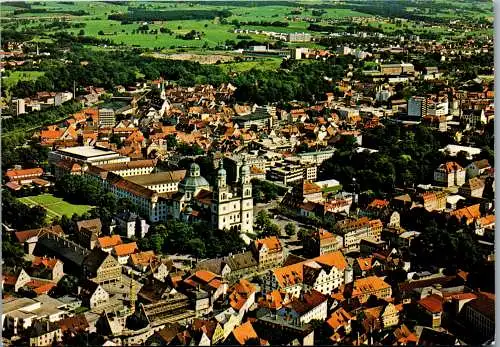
125,249
272,243
13,174
244,332
47,262
109,241
143,258
432,303
239,293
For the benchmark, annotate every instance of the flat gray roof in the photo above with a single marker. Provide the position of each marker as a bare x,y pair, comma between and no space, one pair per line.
16,304
86,151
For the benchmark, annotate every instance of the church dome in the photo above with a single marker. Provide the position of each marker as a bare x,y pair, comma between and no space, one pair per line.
221,172
193,180
194,170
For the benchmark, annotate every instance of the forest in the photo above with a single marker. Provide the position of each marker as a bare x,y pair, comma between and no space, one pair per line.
138,14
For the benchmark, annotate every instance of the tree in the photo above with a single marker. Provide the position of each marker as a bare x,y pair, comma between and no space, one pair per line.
262,221
171,141
290,229
81,32
197,247
304,233
100,32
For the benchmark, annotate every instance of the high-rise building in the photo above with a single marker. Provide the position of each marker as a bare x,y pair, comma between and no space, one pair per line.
107,117
417,106
18,106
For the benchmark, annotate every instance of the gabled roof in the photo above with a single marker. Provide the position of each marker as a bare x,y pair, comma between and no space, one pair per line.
90,224
378,203
364,264
369,284
307,302
432,303
244,332
22,236
47,262
94,260
125,249
109,241
74,324
272,243
450,167
338,319
469,212
240,292
12,174
142,258
294,273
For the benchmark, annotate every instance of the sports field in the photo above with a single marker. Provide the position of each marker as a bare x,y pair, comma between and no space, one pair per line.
56,207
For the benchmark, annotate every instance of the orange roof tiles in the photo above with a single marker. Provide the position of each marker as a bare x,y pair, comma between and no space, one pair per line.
51,134
294,274
9,279
487,220
47,262
272,243
469,212
274,300
335,259
143,258
378,203
13,174
109,241
365,264
338,319
450,166
125,249
205,276
26,234
240,292
323,234
44,288
369,284
244,332
432,303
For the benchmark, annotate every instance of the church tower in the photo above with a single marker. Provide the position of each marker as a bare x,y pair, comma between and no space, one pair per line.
221,184
163,95
246,211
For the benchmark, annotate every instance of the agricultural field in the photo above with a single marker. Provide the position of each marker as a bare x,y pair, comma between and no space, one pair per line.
56,207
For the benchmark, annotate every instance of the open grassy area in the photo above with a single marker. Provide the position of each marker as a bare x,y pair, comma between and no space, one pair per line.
260,64
56,207
16,76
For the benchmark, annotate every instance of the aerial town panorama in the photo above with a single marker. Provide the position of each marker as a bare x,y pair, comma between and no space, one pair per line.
307,172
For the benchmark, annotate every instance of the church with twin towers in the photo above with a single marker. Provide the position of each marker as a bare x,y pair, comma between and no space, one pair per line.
229,206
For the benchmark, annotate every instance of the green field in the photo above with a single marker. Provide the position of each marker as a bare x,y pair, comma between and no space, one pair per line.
213,32
262,64
16,76
56,207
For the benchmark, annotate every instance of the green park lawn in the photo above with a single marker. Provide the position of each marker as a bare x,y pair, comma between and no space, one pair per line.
16,76
56,207
260,64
